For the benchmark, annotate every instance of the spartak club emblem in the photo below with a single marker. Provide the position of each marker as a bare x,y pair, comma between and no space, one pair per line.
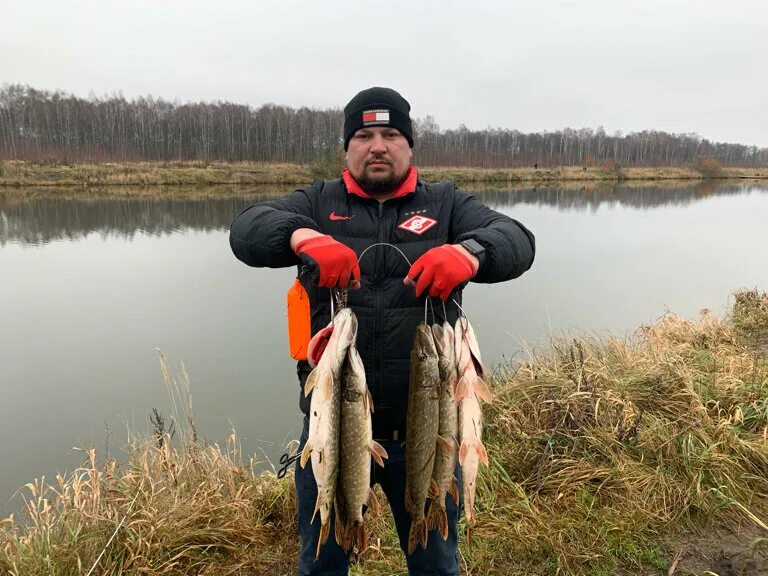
418,224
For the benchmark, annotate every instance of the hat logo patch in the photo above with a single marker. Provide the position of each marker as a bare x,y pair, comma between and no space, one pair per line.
418,224
371,117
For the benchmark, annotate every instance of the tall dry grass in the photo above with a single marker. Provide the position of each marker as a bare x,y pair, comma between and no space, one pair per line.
602,452
201,173
173,507
604,449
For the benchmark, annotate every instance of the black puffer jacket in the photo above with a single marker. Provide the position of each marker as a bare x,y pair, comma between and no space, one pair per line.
388,311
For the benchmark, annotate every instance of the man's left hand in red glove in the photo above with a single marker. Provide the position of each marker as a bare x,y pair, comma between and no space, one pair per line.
440,270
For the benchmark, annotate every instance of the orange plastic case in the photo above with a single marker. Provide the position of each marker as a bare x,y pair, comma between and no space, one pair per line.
299,328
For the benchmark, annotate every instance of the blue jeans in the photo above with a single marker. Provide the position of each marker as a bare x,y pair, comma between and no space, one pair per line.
438,559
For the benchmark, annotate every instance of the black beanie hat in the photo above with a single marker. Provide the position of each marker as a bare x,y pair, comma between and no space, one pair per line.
377,107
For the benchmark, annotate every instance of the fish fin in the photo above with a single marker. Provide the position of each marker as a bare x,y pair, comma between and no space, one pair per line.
356,537
305,453
443,527
434,490
369,399
317,508
424,534
437,519
469,538
339,532
482,391
417,535
447,446
325,531
463,449
432,518
462,389
455,489
310,383
373,502
326,385
378,452
339,518
482,452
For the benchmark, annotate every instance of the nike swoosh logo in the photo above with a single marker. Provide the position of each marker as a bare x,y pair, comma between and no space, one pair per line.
335,216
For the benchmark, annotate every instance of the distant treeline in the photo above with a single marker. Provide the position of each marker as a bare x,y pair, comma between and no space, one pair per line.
40,125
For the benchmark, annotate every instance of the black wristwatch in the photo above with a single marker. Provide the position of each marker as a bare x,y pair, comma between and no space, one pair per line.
473,247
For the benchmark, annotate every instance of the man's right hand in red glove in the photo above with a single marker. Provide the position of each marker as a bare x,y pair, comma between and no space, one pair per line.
331,264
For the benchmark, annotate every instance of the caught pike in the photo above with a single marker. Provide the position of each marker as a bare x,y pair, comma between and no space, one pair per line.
421,439
470,387
469,363
325,410
357,448
447,455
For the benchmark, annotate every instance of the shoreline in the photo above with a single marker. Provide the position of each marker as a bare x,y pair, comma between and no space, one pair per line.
15,173
643,454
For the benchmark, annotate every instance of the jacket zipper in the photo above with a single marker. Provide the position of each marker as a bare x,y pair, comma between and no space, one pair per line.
378,317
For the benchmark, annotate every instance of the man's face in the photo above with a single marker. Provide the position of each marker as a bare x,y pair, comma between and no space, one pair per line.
378,158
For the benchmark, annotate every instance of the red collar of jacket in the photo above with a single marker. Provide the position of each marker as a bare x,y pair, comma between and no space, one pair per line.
407,187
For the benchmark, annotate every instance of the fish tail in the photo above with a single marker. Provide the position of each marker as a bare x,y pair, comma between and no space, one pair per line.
469,506
437,519
325,531
469,534
417,535
356,536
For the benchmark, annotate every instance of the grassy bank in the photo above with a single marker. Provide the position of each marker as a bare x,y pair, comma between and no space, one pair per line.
641,456
16,173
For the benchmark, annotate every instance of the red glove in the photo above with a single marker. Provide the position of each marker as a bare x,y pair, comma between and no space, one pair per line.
441,269
330,262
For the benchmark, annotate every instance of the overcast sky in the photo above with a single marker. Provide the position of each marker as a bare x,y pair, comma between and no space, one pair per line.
679,66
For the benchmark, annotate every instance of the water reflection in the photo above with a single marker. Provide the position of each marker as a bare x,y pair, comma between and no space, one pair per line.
136,269
51,215
632,195
42,220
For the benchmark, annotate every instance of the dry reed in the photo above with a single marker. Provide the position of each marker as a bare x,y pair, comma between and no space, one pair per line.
201,173
602,452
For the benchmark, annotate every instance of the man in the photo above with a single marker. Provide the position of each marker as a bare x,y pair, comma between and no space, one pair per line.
448,236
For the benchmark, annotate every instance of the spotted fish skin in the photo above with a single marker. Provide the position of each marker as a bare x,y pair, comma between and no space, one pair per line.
322,445
447,454
357,448
469,390
422,426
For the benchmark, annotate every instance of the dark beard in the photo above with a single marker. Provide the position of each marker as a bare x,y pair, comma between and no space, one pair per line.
381,186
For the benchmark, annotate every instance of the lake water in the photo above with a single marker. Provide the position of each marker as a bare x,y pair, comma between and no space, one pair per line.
90,286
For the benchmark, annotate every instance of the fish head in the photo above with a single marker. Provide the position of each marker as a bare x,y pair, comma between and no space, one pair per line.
444,340
474,347
424,341
355,361
458,329
448,340
437,332
344,331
